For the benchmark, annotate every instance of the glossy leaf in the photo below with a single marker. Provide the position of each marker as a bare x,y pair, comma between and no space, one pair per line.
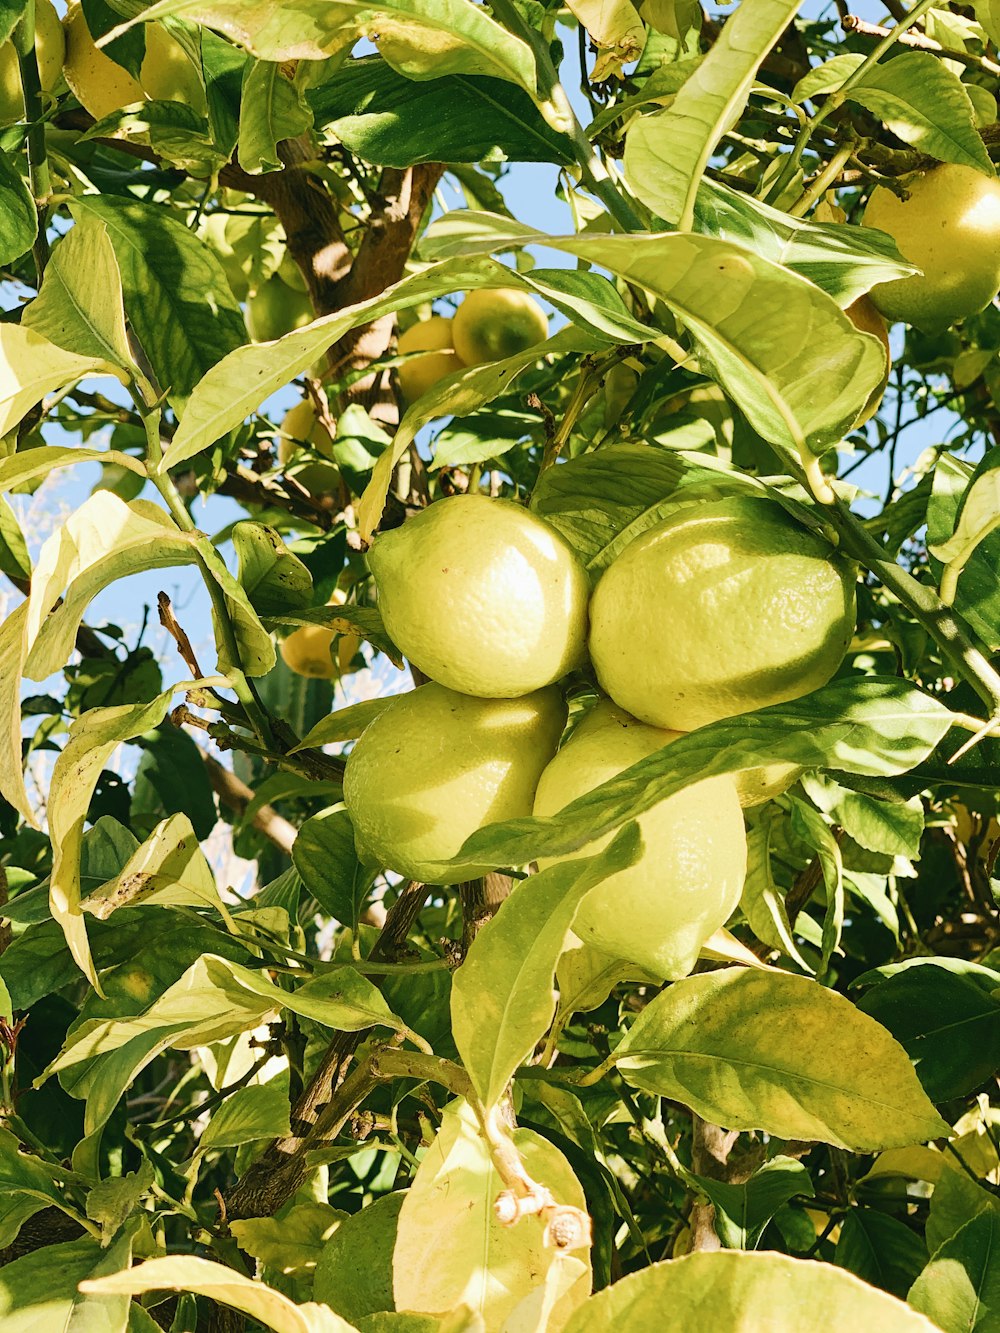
744,1293
40,1292
31,367
767,1050
502,997
18,215
273,110
960,1288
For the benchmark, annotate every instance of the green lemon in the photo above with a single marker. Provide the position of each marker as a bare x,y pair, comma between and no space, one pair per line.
102,86
494,323
274,309
299,428
659,912
433,336
722,609
435,766
950,227
482,596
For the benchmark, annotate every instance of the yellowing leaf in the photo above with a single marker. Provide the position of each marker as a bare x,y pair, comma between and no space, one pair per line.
31,367
169,869
204,1278
450,1248
617,30
93,738
744,1293
781,1053
13,649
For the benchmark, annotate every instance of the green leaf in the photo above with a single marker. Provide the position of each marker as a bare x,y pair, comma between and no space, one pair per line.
273,109
31,367
769,337
816,832
275,580
169,869
956,1200
250,1114
26,1187
423,39
390,120
14,559
975,514
18,215
874,726
923,102
92,740
450,1244
354,1272
111,1202
294,1242
364,621
19,468
177,298
105,539
988,14
39,1292
172,779
502,997
346,724
80,306
256,647
945,1013
762,901
893,828
730,1290
743,1211
325,856
225,1285
10,13
826,78
960,1287
880,1249
749,1049
845,261
666,153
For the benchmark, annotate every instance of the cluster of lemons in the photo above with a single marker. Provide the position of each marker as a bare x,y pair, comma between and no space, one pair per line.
725,606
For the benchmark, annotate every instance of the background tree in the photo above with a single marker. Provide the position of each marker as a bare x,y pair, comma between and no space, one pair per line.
387,1084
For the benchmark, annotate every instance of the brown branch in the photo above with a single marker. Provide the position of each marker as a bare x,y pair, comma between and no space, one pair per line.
861,28
331,1096
179,635
236,796
481,899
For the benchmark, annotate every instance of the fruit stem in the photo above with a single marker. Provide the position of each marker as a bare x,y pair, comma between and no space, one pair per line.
823,181
38,167
944,625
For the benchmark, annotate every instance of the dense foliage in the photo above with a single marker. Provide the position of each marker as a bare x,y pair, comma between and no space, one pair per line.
262,251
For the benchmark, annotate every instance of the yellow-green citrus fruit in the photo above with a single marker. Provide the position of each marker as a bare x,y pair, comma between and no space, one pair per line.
102,86
950,227
435,766
482,596
723,608
306,651
273,310
167,74
494,323
299,428
757,785
50,50
434,337
290,274
659,912
866,319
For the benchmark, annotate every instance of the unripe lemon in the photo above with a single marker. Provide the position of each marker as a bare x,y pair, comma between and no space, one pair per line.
434,337
102,86
300,427
435,766
950,227
274,309
724,608
306,651
493,323
659,912
50,49
866,319
482,596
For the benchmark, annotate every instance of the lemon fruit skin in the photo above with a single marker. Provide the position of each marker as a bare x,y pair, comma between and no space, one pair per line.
433,336
274,309
102,86
866,319
659,912
435,766
950,227
722,609
482,596
494,323
306,651
50,50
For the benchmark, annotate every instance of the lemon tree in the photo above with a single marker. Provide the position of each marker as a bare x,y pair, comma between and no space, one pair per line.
499,704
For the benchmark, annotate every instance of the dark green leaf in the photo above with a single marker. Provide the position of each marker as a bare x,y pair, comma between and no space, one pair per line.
275,580
172,779
743,1211
960,1287
325,857
880,1249
18,216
